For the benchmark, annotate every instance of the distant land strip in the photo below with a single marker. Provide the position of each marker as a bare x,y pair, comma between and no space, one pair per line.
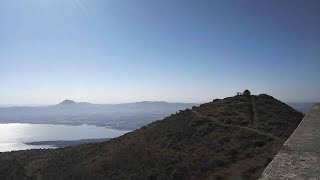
61,143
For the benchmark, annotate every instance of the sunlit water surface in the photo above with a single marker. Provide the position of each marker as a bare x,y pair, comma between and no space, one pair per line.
13,135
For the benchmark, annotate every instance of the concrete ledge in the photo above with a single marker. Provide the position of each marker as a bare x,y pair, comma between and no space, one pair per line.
300,155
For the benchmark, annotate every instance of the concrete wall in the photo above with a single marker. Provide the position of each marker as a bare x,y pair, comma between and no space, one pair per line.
300,155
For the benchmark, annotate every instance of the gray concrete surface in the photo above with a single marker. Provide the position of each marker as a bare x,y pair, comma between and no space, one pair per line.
299,158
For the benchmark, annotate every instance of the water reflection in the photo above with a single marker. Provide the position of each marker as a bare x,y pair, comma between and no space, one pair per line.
13,135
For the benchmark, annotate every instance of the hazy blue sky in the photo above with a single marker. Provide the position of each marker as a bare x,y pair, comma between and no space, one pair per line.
112,51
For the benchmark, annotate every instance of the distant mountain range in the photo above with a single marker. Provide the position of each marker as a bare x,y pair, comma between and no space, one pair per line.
231,138
128,116
67,102
302,107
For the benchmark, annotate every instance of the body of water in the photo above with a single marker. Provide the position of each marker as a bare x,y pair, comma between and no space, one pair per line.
13,135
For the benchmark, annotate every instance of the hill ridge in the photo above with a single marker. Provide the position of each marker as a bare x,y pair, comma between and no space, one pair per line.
241,127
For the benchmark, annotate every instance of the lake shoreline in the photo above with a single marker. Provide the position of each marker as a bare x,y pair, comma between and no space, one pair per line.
64,143
23,136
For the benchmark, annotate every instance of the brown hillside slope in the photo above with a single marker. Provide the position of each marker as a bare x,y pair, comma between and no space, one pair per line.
231,138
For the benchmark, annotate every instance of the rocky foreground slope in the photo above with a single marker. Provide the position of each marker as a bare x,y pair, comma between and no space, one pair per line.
235,137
